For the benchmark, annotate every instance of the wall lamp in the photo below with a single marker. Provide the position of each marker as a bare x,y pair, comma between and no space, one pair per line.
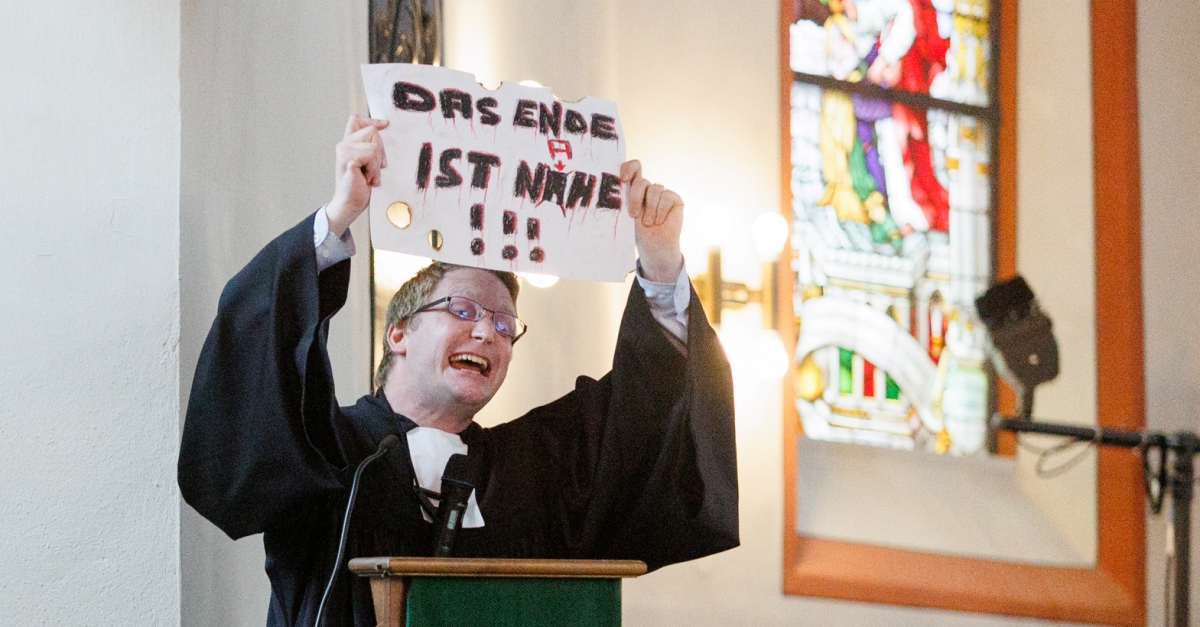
770,234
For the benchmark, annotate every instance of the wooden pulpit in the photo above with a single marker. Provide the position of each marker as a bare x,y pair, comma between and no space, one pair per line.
468,592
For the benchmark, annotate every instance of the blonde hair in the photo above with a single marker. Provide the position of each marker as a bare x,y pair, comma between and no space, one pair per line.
415,292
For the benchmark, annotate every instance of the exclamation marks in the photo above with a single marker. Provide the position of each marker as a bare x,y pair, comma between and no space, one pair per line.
533,232
477,225
509,252
508,222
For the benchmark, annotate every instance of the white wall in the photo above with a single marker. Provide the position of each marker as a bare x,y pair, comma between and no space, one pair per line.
1055,243
266,88
89,195
1169,108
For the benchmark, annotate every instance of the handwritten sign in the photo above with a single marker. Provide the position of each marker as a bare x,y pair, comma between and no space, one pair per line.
511,179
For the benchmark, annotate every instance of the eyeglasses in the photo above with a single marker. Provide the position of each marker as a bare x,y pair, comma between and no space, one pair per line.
468,310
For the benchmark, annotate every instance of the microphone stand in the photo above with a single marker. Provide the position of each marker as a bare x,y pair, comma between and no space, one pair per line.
1183,446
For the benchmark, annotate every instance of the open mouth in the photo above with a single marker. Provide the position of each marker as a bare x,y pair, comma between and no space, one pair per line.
467,361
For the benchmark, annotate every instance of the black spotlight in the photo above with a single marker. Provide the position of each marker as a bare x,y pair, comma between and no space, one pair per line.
1023,337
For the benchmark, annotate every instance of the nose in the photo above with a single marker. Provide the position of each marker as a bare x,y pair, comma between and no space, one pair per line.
485,328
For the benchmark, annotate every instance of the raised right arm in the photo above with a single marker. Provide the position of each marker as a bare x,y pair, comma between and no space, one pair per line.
263,433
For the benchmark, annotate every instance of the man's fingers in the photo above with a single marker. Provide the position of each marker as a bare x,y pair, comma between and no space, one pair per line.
650,216
631,175
371,167
354,148
370,135
354,169
362,151
352,124
631,170
650,204
357,123
362,148
373,173
362,166
362,156
668,202
637,197
364,134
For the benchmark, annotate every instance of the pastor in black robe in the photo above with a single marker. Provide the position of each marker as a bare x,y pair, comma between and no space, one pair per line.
637,465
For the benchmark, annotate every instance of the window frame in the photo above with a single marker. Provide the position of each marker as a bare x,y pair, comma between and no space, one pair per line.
1113,592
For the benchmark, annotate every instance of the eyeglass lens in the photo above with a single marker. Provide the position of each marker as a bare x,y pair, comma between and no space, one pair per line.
467,309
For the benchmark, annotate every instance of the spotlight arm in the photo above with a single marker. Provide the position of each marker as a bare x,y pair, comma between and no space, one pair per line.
1183,446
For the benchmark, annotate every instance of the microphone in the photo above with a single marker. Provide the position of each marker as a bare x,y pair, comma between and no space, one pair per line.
1022,334
458,481
386,445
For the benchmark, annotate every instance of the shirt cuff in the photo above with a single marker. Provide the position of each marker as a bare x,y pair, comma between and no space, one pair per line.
330,250
669,302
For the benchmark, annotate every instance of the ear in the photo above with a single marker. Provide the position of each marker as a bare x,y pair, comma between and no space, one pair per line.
397,338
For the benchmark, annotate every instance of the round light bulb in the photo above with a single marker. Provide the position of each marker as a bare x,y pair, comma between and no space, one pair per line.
704,227
770,358
770,233
539,280
393,269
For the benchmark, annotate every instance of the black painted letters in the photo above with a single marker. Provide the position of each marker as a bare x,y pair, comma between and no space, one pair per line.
410,97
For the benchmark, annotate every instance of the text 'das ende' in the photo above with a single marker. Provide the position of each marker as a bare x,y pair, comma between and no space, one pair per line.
507,179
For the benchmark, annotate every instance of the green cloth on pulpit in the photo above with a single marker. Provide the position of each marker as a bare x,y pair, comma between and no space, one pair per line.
513,602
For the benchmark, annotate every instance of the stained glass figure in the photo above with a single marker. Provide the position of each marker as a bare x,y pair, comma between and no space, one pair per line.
891,196
941,48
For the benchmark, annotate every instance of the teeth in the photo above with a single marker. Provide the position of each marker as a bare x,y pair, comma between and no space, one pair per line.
472,359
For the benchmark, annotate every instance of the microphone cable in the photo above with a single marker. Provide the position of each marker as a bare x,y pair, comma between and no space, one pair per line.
386,445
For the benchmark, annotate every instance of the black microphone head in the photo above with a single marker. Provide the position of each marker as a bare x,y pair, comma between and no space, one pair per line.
461,469
389,442
458,481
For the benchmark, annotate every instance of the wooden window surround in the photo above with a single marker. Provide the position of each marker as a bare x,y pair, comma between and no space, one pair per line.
1113,592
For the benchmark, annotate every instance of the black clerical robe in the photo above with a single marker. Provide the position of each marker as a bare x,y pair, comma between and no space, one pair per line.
637,465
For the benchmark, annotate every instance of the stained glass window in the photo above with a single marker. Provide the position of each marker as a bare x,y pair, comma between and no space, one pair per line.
891,145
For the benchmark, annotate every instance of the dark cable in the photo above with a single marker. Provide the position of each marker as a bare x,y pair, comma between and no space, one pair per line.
425,498
1061,469
384,446
1045,454
1155,481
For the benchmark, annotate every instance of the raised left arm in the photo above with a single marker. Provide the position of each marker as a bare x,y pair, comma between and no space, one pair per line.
657,213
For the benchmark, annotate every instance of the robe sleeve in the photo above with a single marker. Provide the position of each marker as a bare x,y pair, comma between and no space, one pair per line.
688,505
263,433
645,458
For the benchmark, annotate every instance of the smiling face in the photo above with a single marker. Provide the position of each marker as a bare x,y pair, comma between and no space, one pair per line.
446,369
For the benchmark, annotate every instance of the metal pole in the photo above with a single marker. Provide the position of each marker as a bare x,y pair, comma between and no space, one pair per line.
1185,446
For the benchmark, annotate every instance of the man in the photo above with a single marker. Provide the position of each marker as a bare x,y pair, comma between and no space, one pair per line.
637,465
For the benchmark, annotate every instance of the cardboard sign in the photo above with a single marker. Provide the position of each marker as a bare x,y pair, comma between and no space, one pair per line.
511,179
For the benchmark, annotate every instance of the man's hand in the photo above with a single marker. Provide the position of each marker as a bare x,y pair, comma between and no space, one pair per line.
359,157
657,213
